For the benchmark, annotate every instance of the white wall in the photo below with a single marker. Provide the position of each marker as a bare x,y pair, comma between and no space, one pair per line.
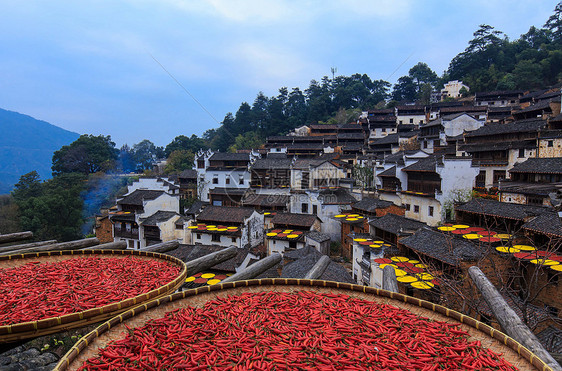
164,202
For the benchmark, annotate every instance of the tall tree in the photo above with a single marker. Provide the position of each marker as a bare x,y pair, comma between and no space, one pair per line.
87,154
145,154
554,23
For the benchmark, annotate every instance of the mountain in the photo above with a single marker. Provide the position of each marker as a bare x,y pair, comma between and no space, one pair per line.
27,144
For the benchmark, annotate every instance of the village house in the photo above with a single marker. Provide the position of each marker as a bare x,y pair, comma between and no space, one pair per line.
428,186
498,98
289,230
228,226
496,148
410,115
223,177
452,89
531,182
138,206
316,173
188,184
272,172
439,132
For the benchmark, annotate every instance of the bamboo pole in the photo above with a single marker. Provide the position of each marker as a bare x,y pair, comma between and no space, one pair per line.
119,245
12,249
71,245
210,260
509,321
255,269
162,247
318,269
389,281
11,237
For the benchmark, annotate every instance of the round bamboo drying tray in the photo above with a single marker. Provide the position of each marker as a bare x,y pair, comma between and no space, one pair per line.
25,330
88,346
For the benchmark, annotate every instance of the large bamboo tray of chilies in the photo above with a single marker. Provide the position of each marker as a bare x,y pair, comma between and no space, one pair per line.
48,292
295,324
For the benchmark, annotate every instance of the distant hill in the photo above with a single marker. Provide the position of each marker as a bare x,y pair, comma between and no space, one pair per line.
27,144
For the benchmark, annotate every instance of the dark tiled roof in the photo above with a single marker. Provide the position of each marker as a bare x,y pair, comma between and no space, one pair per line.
138,196
529,125
224,214
548,223
391,172
539,166
369,204
551,339
501,209
497,146
129,217
318,236
227,156
441,246
272,163
389,139
196,207
498,94
307,163
228,191
425,164
272,200
396,224
159,217
292,219
337,196
535,107
188,174
542,189
324,127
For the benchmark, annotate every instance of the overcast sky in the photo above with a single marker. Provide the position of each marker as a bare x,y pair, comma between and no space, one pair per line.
99,67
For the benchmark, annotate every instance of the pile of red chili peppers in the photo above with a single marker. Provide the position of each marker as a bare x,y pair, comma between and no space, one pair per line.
36,290
303,330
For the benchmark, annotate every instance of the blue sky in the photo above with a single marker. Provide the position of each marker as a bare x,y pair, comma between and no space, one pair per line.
88,67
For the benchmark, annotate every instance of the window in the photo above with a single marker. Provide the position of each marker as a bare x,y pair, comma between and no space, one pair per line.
200,164
216,237
304,208
227,180
521,152
425,144
551,143
430,211
498,175
233,239
416,209
315,209
384,130
407,207
216,180
411,121
198,236
400,122
241,180
179,226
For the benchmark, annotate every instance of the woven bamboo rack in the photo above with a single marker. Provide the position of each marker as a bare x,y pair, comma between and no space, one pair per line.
88,346
26,330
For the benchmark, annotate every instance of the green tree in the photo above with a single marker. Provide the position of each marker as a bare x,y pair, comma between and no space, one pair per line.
554,23
53,212
527,74
9,215
178,161
404,89
87,154
249,140
145,154
182,142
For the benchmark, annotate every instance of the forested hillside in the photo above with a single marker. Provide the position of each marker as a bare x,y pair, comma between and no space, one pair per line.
27,144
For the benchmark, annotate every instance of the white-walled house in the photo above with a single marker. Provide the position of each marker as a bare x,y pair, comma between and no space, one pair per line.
137,206
289,231
324,204
429,186
154,184
316,173
438,132
217,170
228,226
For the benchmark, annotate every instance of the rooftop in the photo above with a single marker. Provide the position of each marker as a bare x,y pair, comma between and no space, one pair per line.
396,224
551,165
369,204
224,214
501,209
138,197
441,246
159,217
293,219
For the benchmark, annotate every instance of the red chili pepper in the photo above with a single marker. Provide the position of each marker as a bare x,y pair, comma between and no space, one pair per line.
36,291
